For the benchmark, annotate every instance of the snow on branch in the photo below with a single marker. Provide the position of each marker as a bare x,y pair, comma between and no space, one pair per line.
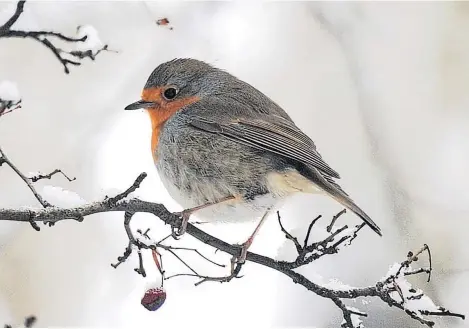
87,42
393,289
10,98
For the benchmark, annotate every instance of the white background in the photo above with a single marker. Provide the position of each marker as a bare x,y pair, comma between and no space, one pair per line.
380,87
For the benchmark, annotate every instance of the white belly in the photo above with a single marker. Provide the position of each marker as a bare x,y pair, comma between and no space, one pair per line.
231,211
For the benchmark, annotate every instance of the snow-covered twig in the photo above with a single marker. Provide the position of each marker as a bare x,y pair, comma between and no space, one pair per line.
44,203
28,181
88,44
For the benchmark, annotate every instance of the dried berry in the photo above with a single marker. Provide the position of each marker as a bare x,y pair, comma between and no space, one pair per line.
154,298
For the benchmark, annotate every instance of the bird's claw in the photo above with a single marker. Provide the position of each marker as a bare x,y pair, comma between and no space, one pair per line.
241,259
177,232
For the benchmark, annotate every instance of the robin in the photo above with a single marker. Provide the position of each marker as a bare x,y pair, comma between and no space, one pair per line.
226,151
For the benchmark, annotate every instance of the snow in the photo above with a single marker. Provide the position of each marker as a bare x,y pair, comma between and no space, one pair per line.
60,197
422,303
92,42
336,284
392,271
9,91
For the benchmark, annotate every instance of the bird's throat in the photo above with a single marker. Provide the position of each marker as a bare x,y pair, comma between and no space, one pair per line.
159,115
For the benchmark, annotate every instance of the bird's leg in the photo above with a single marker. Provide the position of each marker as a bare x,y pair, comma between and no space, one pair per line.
245,246
185,215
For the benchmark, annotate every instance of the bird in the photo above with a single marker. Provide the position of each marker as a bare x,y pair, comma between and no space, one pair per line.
226,152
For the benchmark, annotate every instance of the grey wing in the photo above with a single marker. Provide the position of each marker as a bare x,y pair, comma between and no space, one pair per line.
280,136
274,134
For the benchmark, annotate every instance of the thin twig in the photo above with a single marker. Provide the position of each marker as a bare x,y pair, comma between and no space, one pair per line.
334,219
36,178
6,160
288,235
308,232
6,31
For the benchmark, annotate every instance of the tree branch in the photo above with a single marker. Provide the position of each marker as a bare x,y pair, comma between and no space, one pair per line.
44,203
14,18
383,289
39,177
6,31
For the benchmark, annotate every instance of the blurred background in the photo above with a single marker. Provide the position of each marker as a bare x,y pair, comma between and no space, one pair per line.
380,87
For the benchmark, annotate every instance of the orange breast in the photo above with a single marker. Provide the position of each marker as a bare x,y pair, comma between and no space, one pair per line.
162,112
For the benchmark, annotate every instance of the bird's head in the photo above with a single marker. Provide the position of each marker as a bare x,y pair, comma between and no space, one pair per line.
180,82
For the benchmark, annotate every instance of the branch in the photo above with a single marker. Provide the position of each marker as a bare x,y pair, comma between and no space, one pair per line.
14,18
74,56
385,289
8,106
39,176
5,159
309,252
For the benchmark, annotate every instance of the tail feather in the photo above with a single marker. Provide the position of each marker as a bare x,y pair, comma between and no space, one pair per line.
348,203
328,185
336,192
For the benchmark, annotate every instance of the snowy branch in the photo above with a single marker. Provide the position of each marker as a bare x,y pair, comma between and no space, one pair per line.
393,289
87,42
28,181
10,99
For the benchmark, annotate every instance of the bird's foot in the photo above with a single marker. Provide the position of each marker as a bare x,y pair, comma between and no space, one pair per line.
241,259
177,232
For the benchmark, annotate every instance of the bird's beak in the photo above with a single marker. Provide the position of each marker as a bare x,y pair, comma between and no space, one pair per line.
140,105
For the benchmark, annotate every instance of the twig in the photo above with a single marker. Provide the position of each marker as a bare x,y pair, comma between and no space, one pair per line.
6,160
310,227
14,18
6,31
132,188
165,247
8,106
36,178
443,312
334,219
345,312
288,235
44,203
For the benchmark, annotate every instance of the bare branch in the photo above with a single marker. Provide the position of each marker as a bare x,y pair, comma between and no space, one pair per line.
14,18
8,106
288,235
6,31
43,202
334,219
38,177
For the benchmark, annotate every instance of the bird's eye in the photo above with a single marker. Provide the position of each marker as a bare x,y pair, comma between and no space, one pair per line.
170,93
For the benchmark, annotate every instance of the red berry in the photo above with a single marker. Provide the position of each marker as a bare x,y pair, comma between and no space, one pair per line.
154,298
